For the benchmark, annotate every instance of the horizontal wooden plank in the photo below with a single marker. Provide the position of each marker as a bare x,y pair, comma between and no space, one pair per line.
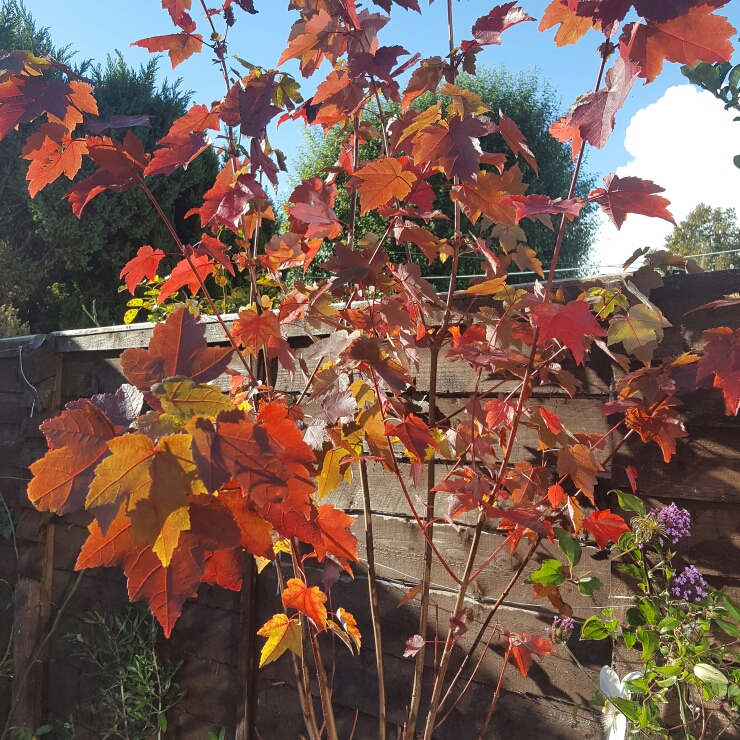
706,466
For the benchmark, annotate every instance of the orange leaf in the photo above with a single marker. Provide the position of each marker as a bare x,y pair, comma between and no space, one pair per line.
581,465
52,153
254,331
350,626
556,495
524,646
572,26
485,196
308,601
526,259
154,481
79,439
224,568
695,36
105,550
381,181
179,46
516,141
255,531
164,588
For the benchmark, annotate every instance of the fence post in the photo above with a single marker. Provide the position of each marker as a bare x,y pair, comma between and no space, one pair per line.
246,663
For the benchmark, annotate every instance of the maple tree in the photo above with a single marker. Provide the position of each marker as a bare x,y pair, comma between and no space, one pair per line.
178,492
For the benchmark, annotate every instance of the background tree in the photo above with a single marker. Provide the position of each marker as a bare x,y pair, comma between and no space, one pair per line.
533,104
49,259
708,229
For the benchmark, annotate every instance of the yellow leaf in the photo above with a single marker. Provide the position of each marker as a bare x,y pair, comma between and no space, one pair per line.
363,393
183,398
330,474
282,634
261,562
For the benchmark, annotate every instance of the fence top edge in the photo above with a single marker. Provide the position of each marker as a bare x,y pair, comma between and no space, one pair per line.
124,336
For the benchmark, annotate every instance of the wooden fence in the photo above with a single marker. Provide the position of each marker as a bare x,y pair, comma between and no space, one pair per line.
215,637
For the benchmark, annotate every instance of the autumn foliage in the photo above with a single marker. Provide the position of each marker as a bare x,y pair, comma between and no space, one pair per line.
182,476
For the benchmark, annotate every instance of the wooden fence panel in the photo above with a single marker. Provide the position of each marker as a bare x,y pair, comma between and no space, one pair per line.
212,636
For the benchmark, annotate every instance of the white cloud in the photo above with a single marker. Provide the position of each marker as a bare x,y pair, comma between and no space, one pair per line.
685,143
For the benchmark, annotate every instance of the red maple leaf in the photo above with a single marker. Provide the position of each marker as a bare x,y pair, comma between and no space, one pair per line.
144,265
570,324
414,434
624,195
605,527
540,207
23,99
722,357
488,29
453,147
184,275
593,116
178,347
224,568
662,425
120,166
228,200
522,648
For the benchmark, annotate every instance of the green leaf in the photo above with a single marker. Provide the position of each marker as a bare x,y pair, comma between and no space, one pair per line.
550,573
588,585
630,709
734,77
593,629
630,637
568,546
162,722
729,627
652,615
650,641
668,625
731,606
709,674
669,670
630,503
638,686
626,541
43,730
634,617
630,570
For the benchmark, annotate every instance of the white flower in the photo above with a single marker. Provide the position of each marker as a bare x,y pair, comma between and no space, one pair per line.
615,723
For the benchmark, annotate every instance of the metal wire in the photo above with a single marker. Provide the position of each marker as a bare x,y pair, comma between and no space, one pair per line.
597,269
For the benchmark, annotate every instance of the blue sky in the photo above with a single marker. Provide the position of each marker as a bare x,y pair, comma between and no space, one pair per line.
98,27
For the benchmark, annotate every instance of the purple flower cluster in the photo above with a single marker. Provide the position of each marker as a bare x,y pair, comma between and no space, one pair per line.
675,522
560,631
690,585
